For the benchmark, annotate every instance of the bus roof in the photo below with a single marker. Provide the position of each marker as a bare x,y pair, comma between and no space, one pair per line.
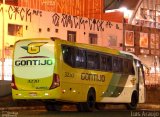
128,53
89,46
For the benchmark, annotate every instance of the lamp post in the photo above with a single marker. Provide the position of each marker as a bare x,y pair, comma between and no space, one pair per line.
156,6
3,37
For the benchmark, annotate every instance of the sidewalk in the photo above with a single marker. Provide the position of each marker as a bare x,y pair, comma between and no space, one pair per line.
5,88
149,106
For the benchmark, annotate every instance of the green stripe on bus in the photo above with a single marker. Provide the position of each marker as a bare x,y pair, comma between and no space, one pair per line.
116,85
120,86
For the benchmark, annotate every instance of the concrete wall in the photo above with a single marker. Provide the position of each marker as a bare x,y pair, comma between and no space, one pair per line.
5,88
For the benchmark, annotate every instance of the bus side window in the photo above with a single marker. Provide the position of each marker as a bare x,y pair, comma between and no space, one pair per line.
125,66
109,63
106,63
131,68
128,67
93,60
115,64
142,74
68,54
103,63
120,65
80,60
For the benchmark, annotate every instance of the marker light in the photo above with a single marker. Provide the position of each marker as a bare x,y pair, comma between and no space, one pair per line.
46,94
13,84
55,82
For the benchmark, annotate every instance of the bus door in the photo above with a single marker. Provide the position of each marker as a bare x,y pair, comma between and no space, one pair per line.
141,83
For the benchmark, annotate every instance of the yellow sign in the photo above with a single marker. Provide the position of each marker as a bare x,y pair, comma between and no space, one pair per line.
133,81
34,48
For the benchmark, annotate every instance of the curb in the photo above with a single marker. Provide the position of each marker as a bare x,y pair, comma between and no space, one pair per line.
22,108
149,106
108,107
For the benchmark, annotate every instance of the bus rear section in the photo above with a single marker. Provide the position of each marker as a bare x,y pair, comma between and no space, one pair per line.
34,76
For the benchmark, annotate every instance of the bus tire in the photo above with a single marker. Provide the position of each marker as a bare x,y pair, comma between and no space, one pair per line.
89,105
53,106
134,101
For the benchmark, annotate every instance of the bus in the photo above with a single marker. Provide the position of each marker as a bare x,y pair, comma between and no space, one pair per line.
57,71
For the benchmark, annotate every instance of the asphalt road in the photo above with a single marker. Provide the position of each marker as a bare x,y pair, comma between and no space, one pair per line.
8,108
107,113
71,111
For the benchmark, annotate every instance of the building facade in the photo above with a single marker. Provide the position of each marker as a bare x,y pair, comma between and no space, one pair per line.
83,21
23,22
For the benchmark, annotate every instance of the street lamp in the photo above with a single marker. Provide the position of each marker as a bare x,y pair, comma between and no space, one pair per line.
156,6
3,37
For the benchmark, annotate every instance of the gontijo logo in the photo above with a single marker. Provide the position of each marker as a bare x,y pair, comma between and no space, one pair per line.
34,47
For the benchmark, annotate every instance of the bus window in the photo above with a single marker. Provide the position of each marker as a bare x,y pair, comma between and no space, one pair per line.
141,74
80,60
92,60
125,66
120,65
103,62
106,63
131,68
68,54
128,67
115,64
109,63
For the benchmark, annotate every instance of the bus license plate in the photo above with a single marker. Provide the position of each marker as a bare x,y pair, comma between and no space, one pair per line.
33,94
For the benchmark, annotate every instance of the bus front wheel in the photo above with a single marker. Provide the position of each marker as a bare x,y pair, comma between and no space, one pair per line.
89,105
134,101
